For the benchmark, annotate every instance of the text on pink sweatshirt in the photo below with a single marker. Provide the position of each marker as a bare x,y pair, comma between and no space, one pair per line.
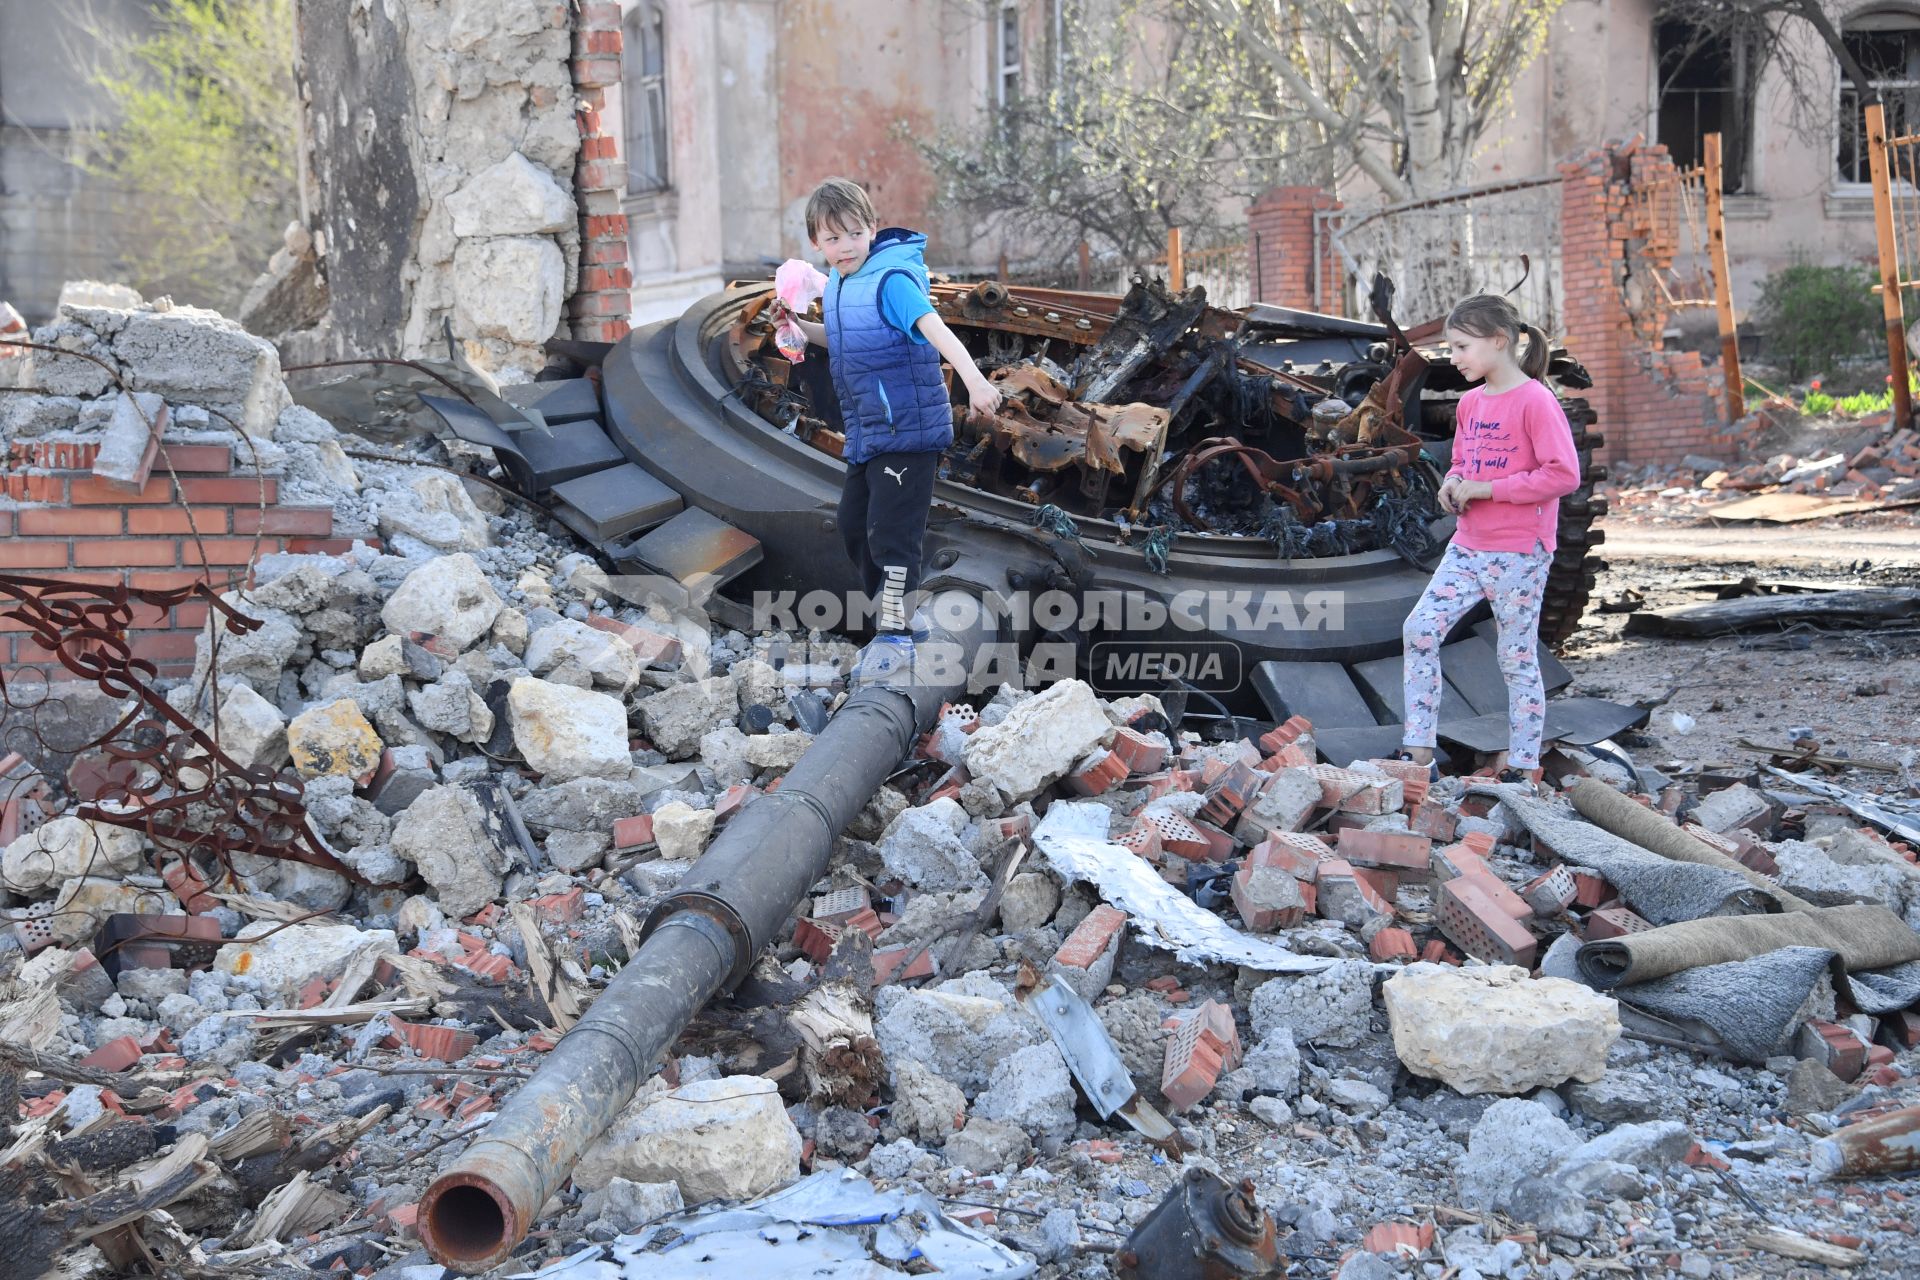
1519,442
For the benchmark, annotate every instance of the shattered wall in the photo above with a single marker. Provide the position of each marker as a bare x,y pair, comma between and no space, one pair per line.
1655,405
443,146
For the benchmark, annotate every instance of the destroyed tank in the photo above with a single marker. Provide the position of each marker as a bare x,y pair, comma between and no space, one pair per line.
1150,447
1170,490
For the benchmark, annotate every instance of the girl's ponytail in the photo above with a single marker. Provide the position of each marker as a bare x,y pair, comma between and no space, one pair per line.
1534,363
1485,314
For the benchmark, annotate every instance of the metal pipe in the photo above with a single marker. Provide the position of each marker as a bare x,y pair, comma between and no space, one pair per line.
701,940
1886,1144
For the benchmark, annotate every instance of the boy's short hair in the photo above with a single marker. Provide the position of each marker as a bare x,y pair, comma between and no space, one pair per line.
842,202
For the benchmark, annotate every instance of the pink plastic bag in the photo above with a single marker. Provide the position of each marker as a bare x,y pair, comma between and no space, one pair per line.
799,286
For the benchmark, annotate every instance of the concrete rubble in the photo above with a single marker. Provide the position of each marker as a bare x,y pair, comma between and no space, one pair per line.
516,782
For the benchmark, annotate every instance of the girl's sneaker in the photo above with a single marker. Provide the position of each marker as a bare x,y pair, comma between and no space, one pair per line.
1433,766
1528,778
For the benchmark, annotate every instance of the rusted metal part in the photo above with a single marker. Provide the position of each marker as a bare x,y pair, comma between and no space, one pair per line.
157,772
1887,1144
1382,413
1205,1229
1316,488
1045,431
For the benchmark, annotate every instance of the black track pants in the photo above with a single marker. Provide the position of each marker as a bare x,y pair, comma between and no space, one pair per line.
883,519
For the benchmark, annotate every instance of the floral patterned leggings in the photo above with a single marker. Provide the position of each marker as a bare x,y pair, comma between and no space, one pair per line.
1515,581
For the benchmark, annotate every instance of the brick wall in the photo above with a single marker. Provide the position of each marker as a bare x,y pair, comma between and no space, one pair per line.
602,305
1654,405
1281,246
85,529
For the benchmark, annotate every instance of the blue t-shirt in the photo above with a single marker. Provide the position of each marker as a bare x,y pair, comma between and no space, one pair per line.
902,303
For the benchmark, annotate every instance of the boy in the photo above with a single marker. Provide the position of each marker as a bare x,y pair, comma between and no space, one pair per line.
885,343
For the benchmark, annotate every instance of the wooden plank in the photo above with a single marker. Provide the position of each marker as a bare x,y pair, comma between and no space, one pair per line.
1723,283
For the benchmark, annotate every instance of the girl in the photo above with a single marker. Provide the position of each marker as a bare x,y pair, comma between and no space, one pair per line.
1513,460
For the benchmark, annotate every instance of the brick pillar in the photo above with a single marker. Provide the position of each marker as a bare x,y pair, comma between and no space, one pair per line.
1654,405
1280,245
602,304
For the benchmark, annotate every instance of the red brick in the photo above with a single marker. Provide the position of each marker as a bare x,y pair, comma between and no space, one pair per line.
1090,938
816,938
1179,837
1143,839
1613,922
1140,752
1341,887
216,459
1404,1238
441,1044
59,522
114,1055
151,580
1478,841
176,520
225,551
189,886
1590,890
1391,943
561,908
88,491
162,648
306,521
1473,921
899,964
1097,777
1191,1066
1275,902
1432,820
237,490
152,553
486,966
1833,1046
1384,849
1551,893
16,554
1294,852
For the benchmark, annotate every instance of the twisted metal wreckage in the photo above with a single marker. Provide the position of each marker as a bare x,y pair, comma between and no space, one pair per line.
1148,444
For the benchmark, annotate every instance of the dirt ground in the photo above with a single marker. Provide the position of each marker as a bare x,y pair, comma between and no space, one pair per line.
1857,691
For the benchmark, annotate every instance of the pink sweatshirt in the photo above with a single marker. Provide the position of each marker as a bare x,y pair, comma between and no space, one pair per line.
1520,443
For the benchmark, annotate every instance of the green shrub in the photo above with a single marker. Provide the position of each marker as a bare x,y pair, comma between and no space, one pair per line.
1817,404
1815,317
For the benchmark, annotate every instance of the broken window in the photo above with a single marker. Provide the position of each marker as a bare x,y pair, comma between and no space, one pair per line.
1887,47
1007,62
1706,86
646,93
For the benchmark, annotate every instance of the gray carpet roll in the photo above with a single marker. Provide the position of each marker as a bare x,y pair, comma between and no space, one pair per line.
1864,937
1660,889
1606,808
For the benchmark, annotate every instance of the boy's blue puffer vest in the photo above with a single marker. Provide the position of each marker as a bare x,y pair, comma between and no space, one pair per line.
893,398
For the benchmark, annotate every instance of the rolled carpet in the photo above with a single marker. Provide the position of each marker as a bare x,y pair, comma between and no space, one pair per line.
1659,889
1607,809
1864,937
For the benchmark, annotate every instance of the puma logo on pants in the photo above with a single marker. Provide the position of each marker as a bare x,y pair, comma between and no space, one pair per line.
899,477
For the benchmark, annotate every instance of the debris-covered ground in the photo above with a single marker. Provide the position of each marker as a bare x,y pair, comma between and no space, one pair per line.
1323,977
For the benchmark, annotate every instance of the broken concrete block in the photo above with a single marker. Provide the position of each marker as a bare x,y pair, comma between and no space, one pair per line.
436,511
447,597
1039,740
132,440
1342,894
607,658
509,287
681,830
404,773
1495,1030
64,848
515,197
1267,898
957,1029
564,733
1333,1007
924,847
716,1139
251,730
452,706
284,958
1513,1141
1736,806
1031,1090
334,741
258,656
1285,804
629,1206
988,1146
192,356
84,903
444,834
676,718
1028,901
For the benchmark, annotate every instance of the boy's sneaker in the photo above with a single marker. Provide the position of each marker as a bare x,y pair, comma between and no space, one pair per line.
920,626
1433,766
883,661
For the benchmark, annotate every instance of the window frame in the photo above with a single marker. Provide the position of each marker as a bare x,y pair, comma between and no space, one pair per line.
1906,22
647,135
1007,17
